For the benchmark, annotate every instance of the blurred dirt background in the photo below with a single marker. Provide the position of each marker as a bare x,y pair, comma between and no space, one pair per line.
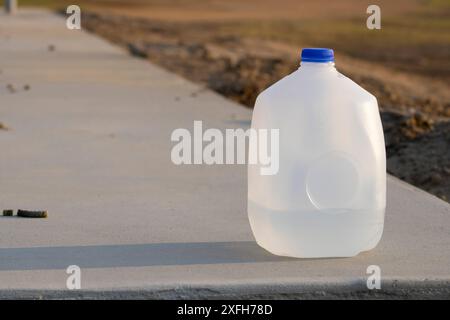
240,47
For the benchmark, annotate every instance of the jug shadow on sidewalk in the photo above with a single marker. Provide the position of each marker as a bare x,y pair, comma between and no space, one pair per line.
135,255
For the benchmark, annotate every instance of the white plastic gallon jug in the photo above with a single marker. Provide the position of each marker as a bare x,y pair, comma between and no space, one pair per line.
329,195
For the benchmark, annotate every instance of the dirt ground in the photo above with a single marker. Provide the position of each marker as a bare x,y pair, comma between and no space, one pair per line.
238,48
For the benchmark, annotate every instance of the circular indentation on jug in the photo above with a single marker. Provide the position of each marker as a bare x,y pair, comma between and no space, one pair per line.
332,181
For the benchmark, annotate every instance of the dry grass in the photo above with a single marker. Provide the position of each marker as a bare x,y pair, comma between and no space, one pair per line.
415,34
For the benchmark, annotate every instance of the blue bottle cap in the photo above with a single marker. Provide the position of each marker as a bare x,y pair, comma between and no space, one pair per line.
317,55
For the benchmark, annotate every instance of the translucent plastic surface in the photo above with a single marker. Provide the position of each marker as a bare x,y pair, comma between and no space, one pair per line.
329,195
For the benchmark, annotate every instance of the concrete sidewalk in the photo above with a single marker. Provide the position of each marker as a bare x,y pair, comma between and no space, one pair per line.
90,142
